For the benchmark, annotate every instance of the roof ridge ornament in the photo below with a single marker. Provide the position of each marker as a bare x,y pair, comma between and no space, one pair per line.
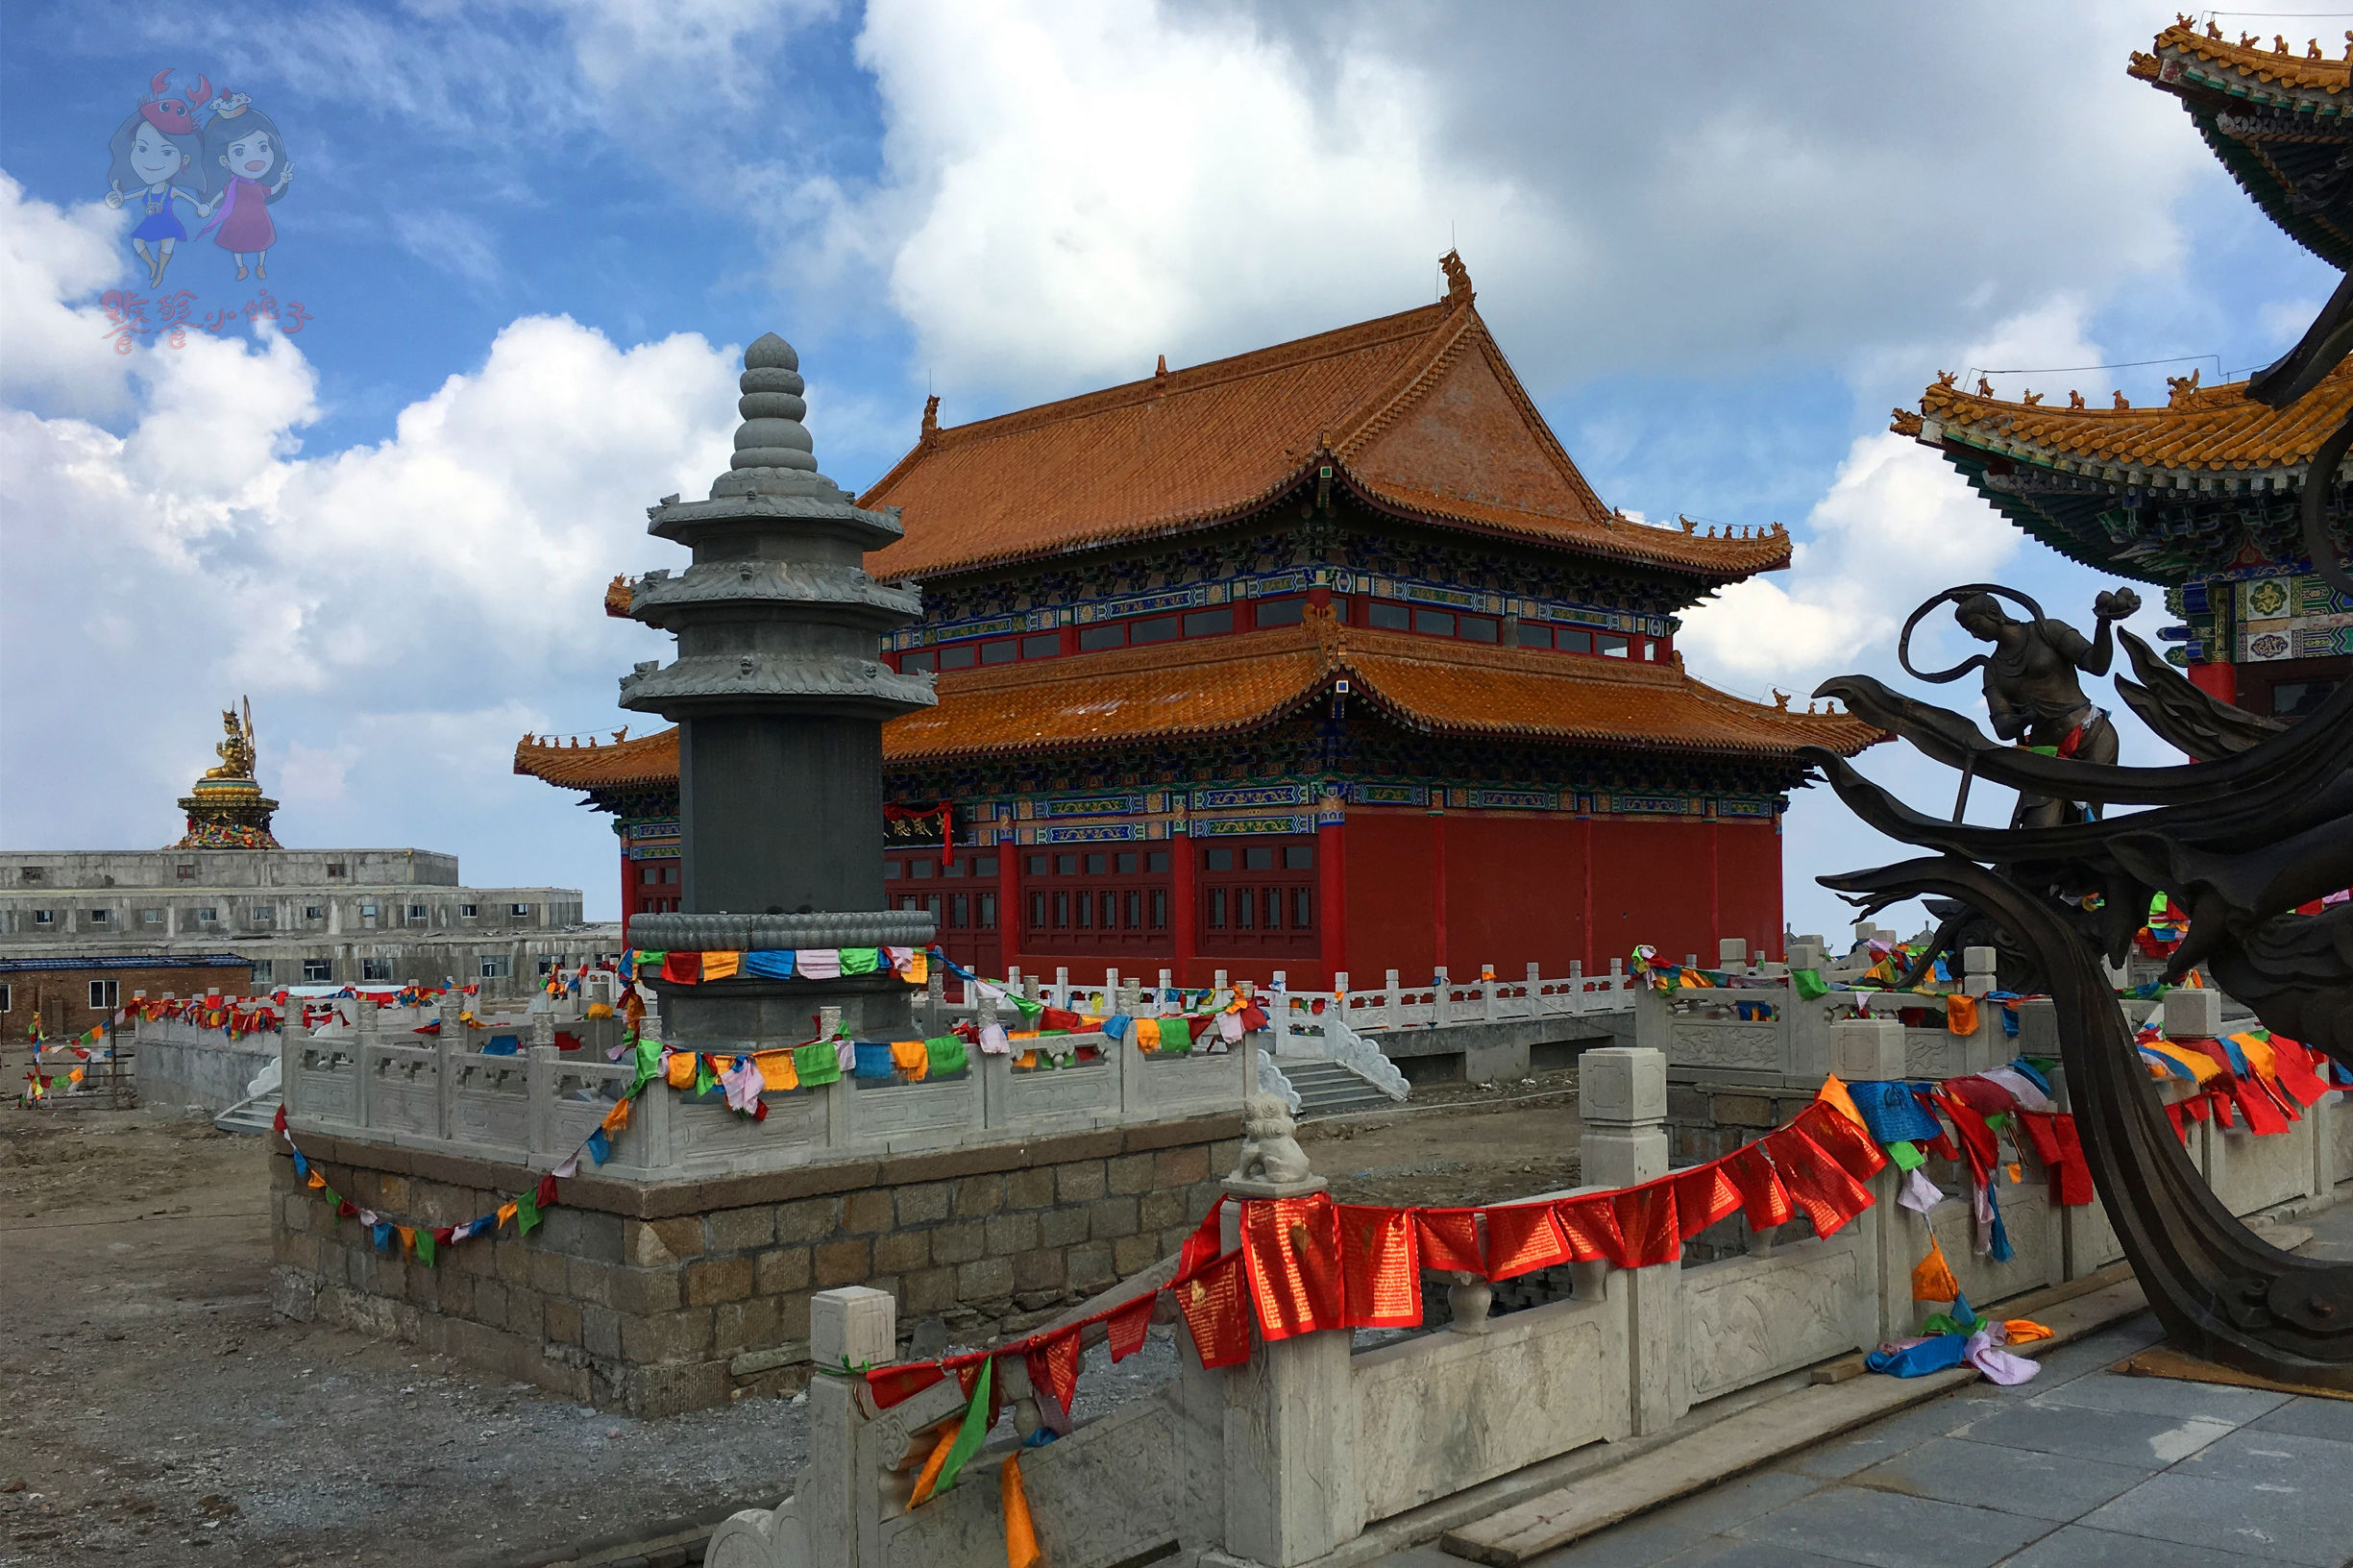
931,421
1459,291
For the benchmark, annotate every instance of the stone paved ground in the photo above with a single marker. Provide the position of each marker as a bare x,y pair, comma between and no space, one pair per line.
2082,1469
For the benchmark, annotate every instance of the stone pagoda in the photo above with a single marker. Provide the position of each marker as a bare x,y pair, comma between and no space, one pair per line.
226,808
779,698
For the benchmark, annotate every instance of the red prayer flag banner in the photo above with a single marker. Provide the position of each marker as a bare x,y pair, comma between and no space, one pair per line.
682,968
1214,1311
1844,1140
890,1384
1053,1367
1977,1144
1591,1227
1127,1326
1202,1246
2295,1066
1381,1276
1448,1239
1647,1224
2055,1144
1827,1194
1704,1195
1764,1202
1291,1254
546,1194
1523,1237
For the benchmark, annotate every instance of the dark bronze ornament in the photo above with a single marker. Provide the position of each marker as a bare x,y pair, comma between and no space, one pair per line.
2261,823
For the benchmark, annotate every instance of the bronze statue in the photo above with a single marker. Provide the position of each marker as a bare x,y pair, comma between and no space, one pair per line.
2031,691
236,750
2257,830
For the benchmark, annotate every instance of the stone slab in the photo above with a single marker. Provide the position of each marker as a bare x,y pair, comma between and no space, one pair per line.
2274,1496
1888,1530
2008,1480
1745,1441
2080,1546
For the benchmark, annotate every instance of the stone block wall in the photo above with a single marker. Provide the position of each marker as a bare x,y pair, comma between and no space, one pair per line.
658,1299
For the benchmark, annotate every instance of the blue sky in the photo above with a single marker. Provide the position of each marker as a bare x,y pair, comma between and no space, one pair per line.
527,235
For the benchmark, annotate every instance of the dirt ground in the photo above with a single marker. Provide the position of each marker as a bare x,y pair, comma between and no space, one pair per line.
1454,1144
152,1410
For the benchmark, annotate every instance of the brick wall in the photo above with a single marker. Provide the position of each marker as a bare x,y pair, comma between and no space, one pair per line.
62,997
664,1299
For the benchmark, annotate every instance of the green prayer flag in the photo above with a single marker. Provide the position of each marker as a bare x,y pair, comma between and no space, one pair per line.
1810,984
648,1062
815,1064
947,1053
1906,1155
861,959
1029,1009
1176,1036
425,1245
526,1212
706,1080
972,1435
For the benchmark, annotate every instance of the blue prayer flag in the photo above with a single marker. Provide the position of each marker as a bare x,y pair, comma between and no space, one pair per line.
600,1147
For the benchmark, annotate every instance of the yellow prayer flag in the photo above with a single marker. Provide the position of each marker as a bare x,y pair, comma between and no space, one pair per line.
930,1478
1933,1277
409,1236
618,1118
1148,1034
777,1071
682,1069
722,965
2019,1331
912,1057
1961,1014
1833,1093
317,1181
506,1211
1021,1535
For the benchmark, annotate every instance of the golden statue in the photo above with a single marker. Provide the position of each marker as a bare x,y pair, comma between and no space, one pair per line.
237,750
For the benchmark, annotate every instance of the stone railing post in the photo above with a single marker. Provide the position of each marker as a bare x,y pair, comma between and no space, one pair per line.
1291,1492
1389,1002
1732,953
1868,1051
1062,987
446,1046
1622,1098
365,1024
291,1036
1440,1013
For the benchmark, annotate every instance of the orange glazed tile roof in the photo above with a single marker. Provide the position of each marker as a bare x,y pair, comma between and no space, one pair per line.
647,760
2205,431
1228,684
1416,413
2292,70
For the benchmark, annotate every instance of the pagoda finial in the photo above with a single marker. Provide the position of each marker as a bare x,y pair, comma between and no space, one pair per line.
773,455
1457,280
1159,371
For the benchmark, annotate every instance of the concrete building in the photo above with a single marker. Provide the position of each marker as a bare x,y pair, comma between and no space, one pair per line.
302,916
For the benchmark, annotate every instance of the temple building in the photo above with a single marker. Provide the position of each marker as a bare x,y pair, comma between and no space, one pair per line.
1321,659
2201,496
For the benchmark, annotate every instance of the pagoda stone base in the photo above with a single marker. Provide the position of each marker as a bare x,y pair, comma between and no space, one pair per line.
664,1298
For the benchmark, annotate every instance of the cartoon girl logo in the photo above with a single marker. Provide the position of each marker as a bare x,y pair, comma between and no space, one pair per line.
155,149
246,170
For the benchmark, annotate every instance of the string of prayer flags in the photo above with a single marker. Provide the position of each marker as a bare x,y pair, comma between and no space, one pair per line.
946,1054
1216,1314
1448,1239
1380,1268
1523,1237
817,1065
1290,1254
1127,1323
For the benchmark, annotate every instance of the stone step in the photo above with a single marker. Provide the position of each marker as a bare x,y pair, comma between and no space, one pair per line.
258,1115
1327,1089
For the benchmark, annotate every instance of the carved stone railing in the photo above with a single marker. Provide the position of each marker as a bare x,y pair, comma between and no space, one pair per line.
377,1079
1300,1453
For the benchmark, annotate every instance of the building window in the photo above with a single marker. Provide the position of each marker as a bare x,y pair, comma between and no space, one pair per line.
1280,612
1615,644
467,912
890,871
1209,623
1094,639
922,869
105,995
418,915
1527,634
8,999
314,912
368,912
44,916
185,873
1043,645
1477,629
150,916
913,663
494,965
1259,897
1160,629
318,971
31,874
265,970
102,917
1003,650
207,916
263,915
2294,699
961,658
376,968
521,912
335,868
1433,623
1388,617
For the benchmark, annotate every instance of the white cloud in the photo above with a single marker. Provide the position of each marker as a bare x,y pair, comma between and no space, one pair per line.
401,612
48,256
1068,190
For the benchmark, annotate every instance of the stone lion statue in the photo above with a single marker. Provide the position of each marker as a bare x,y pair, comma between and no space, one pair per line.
1270,1154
